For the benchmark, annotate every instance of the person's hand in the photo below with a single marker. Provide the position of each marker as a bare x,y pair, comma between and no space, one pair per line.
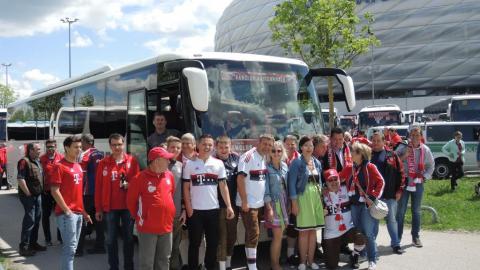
189,212
295,209
99,216
269,214
325,212
230,213
369,202
88,219
398,196
245,206
68,213
183,217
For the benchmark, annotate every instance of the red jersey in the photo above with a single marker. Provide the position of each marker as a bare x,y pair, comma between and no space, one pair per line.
108,194
150,201
290,159
47,167
69,177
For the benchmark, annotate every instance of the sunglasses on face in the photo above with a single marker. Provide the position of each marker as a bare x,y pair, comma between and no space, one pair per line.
277,151
50,147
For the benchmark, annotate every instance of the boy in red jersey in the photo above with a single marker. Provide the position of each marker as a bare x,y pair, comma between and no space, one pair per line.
150,201
66,187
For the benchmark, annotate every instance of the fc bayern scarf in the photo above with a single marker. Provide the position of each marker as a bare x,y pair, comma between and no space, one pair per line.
415,171
332,160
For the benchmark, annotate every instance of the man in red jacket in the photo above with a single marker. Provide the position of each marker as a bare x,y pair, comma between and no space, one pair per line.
111,183
150,201
48,160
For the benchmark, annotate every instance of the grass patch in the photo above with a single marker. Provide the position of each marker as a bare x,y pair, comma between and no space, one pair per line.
458,211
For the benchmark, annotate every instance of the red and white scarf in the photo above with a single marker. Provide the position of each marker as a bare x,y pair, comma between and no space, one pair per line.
332,159
415,171
356,180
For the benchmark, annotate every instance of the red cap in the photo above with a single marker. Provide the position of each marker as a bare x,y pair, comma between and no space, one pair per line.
331,175
159,152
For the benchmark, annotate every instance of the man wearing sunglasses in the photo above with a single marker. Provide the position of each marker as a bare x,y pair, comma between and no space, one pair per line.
51,157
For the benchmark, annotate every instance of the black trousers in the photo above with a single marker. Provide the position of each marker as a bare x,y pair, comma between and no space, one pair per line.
456,169
200,223
48,205
89,205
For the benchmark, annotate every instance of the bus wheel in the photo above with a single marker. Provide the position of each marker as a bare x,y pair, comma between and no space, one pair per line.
442,169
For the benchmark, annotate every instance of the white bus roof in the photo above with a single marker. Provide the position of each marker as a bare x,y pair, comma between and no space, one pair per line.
379,108
466,97
328,110
3,110
164,58
445,123
413,111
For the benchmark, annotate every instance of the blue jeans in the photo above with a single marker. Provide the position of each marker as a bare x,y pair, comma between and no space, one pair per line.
416,210
31,220
391,220
363,221
112,221
70,228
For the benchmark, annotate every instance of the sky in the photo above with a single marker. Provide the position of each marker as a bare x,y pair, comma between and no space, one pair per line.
115,33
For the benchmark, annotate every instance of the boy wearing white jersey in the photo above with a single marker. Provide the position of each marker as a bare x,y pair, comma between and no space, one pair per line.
252,169
201,179
339,228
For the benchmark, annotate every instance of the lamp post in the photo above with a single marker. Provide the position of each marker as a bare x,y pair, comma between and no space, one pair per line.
372,71
69,21
6,81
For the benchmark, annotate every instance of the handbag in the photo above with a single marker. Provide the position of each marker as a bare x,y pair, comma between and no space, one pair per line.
378,209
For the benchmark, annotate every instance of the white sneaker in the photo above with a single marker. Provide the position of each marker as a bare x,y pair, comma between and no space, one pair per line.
314,266
372,266
302,266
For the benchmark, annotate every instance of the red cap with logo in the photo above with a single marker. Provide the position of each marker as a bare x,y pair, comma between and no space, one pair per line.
331,175
159,152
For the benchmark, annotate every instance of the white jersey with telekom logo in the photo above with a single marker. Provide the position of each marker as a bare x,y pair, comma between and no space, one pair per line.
203,178
254,167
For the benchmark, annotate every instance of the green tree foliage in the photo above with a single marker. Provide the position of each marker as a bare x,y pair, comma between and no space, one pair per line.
326,33
7,95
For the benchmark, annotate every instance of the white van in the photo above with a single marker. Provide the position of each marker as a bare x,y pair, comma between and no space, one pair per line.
437,134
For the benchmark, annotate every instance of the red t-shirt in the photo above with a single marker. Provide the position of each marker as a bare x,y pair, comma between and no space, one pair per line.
69,176
107,187
47,166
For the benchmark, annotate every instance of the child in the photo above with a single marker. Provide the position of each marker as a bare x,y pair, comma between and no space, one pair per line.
338,222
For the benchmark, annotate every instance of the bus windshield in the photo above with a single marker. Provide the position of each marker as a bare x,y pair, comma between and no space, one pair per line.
251,98
465,110
347,124
378,118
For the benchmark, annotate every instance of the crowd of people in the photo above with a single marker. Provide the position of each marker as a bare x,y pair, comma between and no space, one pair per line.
185,205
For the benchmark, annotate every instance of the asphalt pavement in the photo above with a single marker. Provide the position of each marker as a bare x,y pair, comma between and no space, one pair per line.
442,250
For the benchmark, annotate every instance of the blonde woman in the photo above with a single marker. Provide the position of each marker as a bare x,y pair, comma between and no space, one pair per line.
276,216
364,187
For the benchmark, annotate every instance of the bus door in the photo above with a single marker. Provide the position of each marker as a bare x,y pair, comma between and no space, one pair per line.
137,126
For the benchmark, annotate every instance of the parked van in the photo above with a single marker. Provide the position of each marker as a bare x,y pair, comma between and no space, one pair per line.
437,134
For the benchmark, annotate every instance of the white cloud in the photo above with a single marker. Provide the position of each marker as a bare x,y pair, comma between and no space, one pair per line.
35,75
22,87
80,41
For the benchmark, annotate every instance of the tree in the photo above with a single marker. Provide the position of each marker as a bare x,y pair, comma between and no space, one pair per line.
7,96
324,33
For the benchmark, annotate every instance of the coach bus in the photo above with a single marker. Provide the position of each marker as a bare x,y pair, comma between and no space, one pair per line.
326,118
240,95
379,115
464,108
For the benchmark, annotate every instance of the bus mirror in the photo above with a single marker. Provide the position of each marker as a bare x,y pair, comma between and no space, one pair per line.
308,116
197,87
348,90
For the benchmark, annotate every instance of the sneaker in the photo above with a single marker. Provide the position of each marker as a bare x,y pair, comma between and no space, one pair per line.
97,250
354,261
26,252
314,266
302,266
416,242
398,250
37,247
293,260
372,266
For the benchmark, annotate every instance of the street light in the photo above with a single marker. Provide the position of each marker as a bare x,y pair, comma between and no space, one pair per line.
6,72
372,60
69,21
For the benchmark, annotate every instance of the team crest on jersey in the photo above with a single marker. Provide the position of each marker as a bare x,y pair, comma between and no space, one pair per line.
71,170
105,172
167,181
151,188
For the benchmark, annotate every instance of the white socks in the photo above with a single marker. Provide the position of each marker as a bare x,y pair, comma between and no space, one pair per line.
221,265
251,258
290,251
228,263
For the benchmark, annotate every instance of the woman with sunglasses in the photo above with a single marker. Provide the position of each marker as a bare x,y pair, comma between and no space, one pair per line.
276,216
304,187
364,188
